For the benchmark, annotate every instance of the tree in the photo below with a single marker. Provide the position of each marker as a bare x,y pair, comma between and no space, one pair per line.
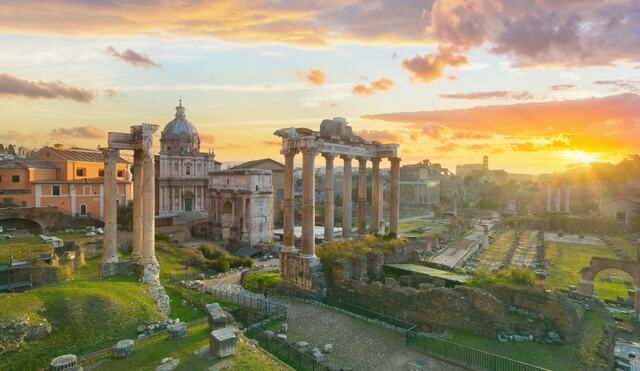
11,150
2,149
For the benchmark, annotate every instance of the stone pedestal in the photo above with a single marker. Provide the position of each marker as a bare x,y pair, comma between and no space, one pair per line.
302,276
216,316
64,362
177,330
222,342
122,349
151,273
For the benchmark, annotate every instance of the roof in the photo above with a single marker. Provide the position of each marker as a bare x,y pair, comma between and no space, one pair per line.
432,272
252,164
76,181
81,154
25,164
180,125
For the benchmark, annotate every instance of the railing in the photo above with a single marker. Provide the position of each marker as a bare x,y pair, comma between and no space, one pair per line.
269,308
465,356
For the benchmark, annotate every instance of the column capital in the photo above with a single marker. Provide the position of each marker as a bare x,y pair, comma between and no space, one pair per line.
395,160
346,157
309,151
109,152
362,159
290,153
329,156
375,160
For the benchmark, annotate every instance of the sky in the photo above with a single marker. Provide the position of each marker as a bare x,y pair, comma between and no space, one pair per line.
537,85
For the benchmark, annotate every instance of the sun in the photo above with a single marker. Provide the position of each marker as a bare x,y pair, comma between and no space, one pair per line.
581,156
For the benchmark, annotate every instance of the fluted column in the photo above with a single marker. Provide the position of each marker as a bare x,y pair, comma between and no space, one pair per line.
346,197
328,198
245,220
308,203
110,235
394,207
138,176
362,195
148,210
288,243
376,196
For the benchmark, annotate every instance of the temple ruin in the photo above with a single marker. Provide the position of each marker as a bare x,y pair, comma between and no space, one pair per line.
140,141
300,270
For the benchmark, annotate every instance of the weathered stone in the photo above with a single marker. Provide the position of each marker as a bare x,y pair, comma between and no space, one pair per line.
63,362
168,364
317,355
284,328
216,316
269,334
222,342
160,297
328,348
302,345
38,331
553,336
282,337
177,330
123,348
503,338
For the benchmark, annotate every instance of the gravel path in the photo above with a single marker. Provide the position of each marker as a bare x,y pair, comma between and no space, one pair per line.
357,344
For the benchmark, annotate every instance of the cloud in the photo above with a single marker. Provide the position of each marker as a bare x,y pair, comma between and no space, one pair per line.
378,85
272,143
478,147
467,134
515,95
431,66
380,135
594,124
206,139
133,58
447,147
314,76
14,86
632,86
549,145
85,132
464,23
110,93
559,87
497,150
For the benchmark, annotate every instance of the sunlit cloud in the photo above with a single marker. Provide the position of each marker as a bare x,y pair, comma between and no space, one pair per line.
14,86
560,87
132,57
380,135
431,67
375,86
499,94
314,76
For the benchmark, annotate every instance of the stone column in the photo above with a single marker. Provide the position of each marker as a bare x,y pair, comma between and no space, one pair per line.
151,269
308,203
548,198
362,196
138,176
558,189
346,197
288,240
394,207
376,196
328,198
245,221
567,199
110,235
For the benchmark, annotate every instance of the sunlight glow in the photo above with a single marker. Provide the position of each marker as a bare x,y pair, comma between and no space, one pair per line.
581,156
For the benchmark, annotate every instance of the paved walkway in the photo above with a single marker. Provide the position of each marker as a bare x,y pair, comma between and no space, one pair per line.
357,344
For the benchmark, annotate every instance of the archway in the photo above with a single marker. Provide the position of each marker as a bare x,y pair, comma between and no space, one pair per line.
609,284
598,264
188,201
227,219
21,223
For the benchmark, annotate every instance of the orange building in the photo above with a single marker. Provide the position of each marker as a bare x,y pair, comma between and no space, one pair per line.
69,178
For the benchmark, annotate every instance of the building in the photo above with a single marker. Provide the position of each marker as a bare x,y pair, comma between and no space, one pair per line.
68,178
241,205
619,209
181,169
277,181
422,183
468,169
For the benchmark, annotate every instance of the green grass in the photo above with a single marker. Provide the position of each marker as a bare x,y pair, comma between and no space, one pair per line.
492,257
411,228
258,281
582,355
147,355
172,261
23,246
85,316
568,259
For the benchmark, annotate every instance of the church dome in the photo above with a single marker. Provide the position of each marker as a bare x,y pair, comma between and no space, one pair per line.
179,135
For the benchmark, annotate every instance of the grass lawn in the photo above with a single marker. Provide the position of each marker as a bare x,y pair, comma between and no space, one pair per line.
492,257
85,316
172,261
23,246
147,355
567,261
412,228
582,355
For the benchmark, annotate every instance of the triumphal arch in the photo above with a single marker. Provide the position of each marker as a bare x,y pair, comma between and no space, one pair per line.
140,141
300,270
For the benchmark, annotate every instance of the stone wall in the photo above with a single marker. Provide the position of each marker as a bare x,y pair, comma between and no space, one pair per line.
301,275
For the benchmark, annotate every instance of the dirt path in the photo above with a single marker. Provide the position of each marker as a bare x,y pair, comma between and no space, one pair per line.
357,344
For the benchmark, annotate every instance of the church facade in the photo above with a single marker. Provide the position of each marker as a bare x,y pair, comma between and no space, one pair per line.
182,171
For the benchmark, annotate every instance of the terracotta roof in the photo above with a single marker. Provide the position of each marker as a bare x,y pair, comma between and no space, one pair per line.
82,154
252,164
25,164
76,181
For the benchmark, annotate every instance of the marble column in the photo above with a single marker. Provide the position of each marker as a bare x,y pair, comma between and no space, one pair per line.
138,176
288,240
346,197
548,198
328,198
308,203
362,196
376,196
558,189
245,221
394,207
110,235
567,199
148,211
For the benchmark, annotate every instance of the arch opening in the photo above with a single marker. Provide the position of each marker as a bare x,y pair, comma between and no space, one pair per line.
21,223
612,284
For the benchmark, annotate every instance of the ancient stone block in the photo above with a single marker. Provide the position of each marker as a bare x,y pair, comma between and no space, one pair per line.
177,330
222,342
123,348
63,362
216,316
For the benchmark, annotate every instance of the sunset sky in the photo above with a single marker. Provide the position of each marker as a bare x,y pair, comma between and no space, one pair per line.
537,85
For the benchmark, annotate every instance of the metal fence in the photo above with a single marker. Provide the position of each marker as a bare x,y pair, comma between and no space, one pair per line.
287,352
266,307
463,355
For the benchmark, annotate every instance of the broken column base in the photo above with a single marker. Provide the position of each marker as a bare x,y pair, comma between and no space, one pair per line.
302,276
125,267
151,273
108,269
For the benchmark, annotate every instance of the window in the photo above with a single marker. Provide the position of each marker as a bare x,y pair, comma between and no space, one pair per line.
86,190
55,190
24,203
101,172
81,172
188,170
15,178
120,173
83,210
0,178
621,217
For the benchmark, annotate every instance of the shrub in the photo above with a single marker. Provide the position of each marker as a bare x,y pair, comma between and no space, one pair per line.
197,259
259,281
518,276
163,237
240,261
220,265
212,252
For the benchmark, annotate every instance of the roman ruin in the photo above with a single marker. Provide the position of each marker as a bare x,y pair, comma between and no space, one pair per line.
300,270
140,141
